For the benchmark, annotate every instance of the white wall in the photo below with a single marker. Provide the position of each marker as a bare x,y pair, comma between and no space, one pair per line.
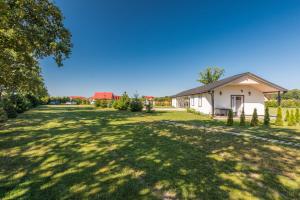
174,102
255,100
206,104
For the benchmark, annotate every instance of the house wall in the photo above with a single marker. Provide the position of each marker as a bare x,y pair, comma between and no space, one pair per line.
255,100
206,103
174,102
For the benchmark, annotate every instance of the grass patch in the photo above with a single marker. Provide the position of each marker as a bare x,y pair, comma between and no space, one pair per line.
78,152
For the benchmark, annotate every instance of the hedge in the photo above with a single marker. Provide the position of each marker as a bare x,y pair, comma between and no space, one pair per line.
290,103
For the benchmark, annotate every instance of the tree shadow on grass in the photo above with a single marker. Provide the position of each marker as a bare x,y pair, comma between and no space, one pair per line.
97,159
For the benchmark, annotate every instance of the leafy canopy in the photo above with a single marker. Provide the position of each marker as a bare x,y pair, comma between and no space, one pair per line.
210,75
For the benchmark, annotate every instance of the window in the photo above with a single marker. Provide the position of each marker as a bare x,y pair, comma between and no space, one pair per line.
192,101
200,101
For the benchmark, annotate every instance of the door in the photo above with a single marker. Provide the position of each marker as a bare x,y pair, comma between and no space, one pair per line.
237,102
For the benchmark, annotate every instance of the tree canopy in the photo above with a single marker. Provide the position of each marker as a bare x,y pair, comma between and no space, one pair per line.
30,30
210,75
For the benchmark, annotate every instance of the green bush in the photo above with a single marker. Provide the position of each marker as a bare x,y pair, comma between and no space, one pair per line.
254,120
3,115
22,103
124,102
292,120
149,107
242,118
136,105
267,117
297,116
34,101
271,103
97,103
287,103
279,121
287,116
115,105
9,108
230,118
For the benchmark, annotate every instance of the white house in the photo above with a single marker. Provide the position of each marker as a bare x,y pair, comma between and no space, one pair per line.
243,91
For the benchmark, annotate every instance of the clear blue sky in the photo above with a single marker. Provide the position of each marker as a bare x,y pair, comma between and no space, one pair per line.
158,47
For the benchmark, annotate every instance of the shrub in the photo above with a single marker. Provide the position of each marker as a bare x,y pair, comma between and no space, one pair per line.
267,117
287,116
297,116
34,101
254,120
97,103
115,105
3,115
292,121
279,121
103,103
123,102
242,118
271,103
230,118
149,107
9,108
136,105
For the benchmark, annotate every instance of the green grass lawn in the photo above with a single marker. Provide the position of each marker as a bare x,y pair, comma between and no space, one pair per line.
78,152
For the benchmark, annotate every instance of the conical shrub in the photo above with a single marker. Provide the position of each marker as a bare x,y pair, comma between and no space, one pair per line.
230,118
297,117
242,118
267,117
279,121
254,120
287,116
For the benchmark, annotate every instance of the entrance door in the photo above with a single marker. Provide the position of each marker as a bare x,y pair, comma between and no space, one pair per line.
237,102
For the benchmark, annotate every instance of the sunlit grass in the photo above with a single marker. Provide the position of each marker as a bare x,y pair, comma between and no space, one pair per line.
78,152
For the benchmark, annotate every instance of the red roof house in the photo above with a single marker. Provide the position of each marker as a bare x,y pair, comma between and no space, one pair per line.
105,95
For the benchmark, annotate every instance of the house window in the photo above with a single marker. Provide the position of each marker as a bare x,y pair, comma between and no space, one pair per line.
200,101
192,101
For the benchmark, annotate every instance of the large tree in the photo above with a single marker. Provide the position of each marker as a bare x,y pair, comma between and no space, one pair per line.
29,31
210,75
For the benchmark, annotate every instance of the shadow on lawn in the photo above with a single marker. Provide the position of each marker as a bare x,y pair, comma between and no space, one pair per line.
88,156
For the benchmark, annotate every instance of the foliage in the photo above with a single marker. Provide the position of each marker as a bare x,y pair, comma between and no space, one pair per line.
297,116
291,119
230,118
115,104
254,120
279,120
267,117
149,107
292,94
288,103
136,105
123,102
163,101
10,108
3,115
102,103
287,116
242,118
210,75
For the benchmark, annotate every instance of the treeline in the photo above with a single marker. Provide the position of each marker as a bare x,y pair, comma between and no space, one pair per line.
65,99
288,103
163,101
29,31
134,104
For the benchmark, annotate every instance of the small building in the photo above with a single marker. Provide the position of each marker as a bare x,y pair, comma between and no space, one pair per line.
103,96
244,91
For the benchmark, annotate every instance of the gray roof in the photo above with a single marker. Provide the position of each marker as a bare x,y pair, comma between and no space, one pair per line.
216,84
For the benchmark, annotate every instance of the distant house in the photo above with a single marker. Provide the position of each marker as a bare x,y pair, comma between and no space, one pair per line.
103,96
243,91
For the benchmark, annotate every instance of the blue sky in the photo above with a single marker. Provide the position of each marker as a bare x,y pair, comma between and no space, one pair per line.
158,47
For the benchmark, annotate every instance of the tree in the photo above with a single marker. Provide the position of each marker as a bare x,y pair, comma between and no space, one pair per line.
123,102
136,105
210,75
230,118
287,116
279,121
243,118
267,117
254,120
29,31
291,120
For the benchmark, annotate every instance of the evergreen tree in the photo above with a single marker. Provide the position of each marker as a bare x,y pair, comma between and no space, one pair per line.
230,118
123,102
254,120
279,121
297,117
292,121
287,116
242,118
267,117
